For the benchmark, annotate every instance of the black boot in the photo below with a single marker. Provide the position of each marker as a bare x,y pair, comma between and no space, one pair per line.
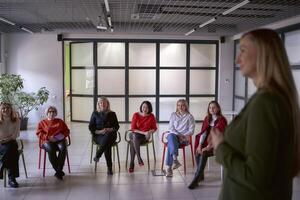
109,171
13,183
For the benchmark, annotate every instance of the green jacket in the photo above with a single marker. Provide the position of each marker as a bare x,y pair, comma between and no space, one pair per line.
257,152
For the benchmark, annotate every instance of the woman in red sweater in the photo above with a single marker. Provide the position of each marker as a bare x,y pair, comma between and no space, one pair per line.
203,146
52,133
142,125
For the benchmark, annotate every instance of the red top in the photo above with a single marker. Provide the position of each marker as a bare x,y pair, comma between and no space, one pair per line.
220,123
143,123
47,128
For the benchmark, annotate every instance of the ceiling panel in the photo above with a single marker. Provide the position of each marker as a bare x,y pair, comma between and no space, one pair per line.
143,16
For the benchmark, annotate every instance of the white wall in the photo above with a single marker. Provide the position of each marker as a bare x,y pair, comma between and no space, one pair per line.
38,58
225,87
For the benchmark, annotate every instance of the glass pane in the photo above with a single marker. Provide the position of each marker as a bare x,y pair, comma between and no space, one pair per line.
240,82
142,81
237,50
166,107
172,55
82,108
135,103
82,81
251,88
203,55
82,54
292,45
238,104
202,81
111,81
198,106
118,106
172,82
296,74
142,54
111,54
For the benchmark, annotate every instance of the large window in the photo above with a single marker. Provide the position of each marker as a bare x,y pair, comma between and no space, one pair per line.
133,71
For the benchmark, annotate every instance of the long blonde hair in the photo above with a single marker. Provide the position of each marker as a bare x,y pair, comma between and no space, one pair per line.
274,74
14,116
103,99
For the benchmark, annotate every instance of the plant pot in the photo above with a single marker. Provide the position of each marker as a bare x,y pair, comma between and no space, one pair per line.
23,123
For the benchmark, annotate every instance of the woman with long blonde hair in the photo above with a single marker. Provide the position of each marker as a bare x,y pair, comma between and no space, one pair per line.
260,148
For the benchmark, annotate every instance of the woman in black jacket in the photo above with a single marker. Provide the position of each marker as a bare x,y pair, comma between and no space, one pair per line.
104,126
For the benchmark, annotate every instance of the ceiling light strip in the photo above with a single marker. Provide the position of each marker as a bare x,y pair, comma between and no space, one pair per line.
235,7
7,21
27,30
208,22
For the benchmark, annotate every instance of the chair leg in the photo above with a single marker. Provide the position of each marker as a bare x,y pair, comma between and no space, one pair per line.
44,169
92,148
40,152
126,163
117,148
148,160
163,158
222,173
114,157
96,162
208,165
68,161
184,162
25,170
154,155
4,176
192,151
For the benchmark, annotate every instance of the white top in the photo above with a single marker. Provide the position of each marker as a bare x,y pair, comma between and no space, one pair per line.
9,130
182,124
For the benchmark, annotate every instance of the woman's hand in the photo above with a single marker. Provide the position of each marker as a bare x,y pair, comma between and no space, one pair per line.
199,149
217,137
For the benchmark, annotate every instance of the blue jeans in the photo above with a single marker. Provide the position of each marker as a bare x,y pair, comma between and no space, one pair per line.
173,146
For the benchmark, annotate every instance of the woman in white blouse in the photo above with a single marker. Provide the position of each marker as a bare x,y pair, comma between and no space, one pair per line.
9,131
181,127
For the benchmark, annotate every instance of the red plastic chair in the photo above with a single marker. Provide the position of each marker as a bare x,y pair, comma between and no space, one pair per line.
182,146
45,155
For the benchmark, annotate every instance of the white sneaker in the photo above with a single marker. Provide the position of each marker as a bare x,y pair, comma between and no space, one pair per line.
176,164
169,172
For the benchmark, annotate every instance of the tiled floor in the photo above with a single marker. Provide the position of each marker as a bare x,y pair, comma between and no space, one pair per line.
84,184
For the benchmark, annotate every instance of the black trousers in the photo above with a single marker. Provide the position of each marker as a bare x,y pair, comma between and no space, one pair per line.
105,142
201,160
9,159
57,160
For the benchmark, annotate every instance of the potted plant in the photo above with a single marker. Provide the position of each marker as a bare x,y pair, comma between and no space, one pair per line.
24,102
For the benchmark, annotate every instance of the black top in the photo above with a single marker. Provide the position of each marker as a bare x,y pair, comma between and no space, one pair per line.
101,120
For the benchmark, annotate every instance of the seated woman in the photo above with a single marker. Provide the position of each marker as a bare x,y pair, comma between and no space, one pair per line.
104,126
142,125
203,146
181,127
52,133
9,155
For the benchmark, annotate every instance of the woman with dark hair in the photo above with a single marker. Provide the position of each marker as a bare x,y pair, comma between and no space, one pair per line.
203,146
260,148
9,131
52,133
142,125
104,126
